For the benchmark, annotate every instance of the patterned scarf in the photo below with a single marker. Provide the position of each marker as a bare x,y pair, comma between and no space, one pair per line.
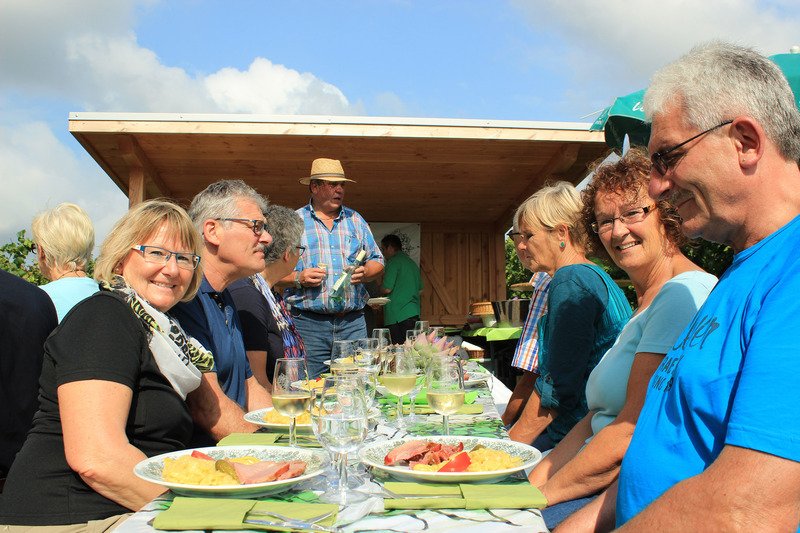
180,357
293,347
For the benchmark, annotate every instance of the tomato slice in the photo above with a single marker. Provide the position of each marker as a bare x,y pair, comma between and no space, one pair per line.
458,463
201,455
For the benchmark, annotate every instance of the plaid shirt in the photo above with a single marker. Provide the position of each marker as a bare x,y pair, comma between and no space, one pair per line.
336,248
526,356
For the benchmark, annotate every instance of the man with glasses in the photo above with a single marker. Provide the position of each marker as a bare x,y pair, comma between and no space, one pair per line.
267,326
717,443
334,236
229,215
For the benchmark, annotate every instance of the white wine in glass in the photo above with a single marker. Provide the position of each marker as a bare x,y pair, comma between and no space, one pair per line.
445,387
291,395
399,376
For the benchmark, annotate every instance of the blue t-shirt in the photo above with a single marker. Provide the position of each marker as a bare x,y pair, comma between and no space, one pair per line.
730,378
651,330
211,318
66,292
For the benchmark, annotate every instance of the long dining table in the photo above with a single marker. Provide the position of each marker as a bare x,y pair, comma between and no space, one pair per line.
371,515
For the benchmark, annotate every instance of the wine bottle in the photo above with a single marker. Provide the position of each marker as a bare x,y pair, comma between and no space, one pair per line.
337,290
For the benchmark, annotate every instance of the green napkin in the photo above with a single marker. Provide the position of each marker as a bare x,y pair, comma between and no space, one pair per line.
503,496
222,513
422,398
249,439
267,439
204,513
464,496
449,496
474,409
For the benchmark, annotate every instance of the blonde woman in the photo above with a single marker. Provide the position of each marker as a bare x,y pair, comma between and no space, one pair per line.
585,313
114,381
64,238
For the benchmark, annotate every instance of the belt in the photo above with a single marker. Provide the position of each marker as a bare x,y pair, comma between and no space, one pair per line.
334,315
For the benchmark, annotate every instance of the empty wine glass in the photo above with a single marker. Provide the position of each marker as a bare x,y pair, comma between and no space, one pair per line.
384,335
342,355
445,387
341,428
399,376
367,354
422,325
290,391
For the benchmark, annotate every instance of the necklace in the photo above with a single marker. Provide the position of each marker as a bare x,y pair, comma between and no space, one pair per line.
71,273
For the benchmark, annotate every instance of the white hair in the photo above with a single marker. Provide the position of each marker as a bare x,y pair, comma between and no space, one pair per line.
719,81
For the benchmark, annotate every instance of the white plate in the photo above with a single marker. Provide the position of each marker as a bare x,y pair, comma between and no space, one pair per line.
150,470
373,454
257,417
477,377
378,301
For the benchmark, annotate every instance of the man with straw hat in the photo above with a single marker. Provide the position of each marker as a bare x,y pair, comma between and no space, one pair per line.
337,240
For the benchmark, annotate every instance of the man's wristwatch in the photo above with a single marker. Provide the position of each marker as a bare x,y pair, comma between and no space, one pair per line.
297,280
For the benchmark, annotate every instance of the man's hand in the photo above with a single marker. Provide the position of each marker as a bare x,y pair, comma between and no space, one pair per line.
312,277
358,275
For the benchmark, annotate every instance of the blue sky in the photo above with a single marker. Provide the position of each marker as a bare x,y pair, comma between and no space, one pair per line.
543,60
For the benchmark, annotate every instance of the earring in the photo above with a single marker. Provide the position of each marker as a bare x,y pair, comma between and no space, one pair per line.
562,245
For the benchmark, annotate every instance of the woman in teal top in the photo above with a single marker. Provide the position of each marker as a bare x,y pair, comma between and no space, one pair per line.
642,237
64,238
586,312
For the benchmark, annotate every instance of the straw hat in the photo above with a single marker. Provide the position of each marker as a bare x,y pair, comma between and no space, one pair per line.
326,170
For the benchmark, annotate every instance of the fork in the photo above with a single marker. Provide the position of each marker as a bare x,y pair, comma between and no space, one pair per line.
397,495
310,523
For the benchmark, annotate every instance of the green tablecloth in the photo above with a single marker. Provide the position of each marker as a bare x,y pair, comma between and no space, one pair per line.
493,334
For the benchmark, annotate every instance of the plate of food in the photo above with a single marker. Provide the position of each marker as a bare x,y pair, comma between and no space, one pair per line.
272,419
232,471
378,302
449,459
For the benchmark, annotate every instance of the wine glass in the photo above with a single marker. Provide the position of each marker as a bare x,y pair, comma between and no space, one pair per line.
342,355
437,332
290,392
367,354
341,428
399,376
445,387
384,337
422,325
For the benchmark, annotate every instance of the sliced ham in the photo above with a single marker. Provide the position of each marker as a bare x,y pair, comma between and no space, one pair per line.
436,456
260,472
421,451
407,451
296,468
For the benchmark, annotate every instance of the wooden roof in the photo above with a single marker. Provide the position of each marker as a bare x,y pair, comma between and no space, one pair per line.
408,170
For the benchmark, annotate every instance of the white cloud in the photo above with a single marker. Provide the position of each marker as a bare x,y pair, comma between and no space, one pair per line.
39,172
85,54
274,89
621,42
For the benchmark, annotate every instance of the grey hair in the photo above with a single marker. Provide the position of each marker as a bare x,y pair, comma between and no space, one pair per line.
719,81
218,200
286,227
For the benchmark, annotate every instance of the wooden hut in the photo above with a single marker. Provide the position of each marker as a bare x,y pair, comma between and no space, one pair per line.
459,179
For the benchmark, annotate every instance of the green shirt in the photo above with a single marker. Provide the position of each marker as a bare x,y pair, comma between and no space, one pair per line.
401,276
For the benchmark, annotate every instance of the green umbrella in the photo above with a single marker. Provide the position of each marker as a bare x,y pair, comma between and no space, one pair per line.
625,115
790,65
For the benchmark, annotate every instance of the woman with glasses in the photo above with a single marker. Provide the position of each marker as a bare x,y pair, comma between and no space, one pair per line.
642,237
114,381
64,238
268,330
585,312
